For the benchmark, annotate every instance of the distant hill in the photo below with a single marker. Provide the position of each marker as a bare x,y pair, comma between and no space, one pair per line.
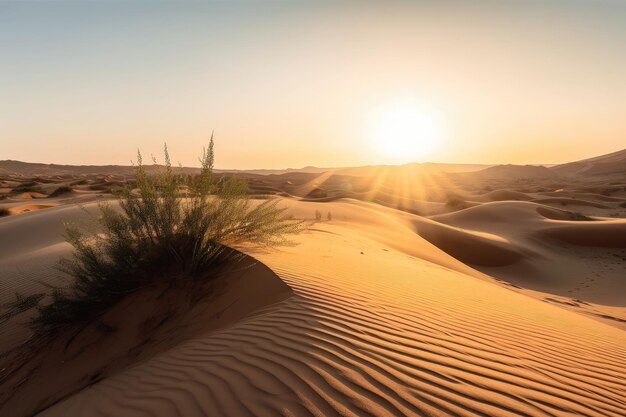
40,169
427,167
609,164
515,172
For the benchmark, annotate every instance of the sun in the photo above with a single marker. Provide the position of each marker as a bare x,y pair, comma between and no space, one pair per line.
406,132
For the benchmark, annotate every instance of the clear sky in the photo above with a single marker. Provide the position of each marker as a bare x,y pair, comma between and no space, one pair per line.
295,83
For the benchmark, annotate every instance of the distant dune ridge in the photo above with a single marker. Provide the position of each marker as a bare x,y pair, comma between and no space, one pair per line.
415,291
613,163
32,168
516,171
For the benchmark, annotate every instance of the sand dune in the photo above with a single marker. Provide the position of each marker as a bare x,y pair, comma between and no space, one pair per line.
559,254
504,195
515,172
570,202
28,207
378,321
613,163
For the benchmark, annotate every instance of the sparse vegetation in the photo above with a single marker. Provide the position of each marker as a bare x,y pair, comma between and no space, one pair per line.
159,235
19,305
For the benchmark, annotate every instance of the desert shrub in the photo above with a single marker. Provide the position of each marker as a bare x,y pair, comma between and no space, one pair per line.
19,305
318,215
159,236
4,212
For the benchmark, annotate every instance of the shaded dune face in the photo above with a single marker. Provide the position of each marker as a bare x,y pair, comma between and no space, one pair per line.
598,235
467,247
543,249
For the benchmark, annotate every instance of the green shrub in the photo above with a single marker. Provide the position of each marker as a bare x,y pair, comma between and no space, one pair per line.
22,303
171,232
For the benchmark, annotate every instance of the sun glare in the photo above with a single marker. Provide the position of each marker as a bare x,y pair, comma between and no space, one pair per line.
406,132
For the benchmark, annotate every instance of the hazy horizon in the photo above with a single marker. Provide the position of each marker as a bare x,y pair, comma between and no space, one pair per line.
220,168
295,84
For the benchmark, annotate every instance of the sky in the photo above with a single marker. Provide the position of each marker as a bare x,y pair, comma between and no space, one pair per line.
298,83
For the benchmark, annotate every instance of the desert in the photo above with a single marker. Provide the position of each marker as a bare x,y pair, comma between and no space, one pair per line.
312,208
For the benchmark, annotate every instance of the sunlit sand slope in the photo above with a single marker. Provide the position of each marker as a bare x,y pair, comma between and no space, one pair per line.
371,329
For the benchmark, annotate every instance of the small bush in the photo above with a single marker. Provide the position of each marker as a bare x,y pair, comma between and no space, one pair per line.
4,212
159,235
